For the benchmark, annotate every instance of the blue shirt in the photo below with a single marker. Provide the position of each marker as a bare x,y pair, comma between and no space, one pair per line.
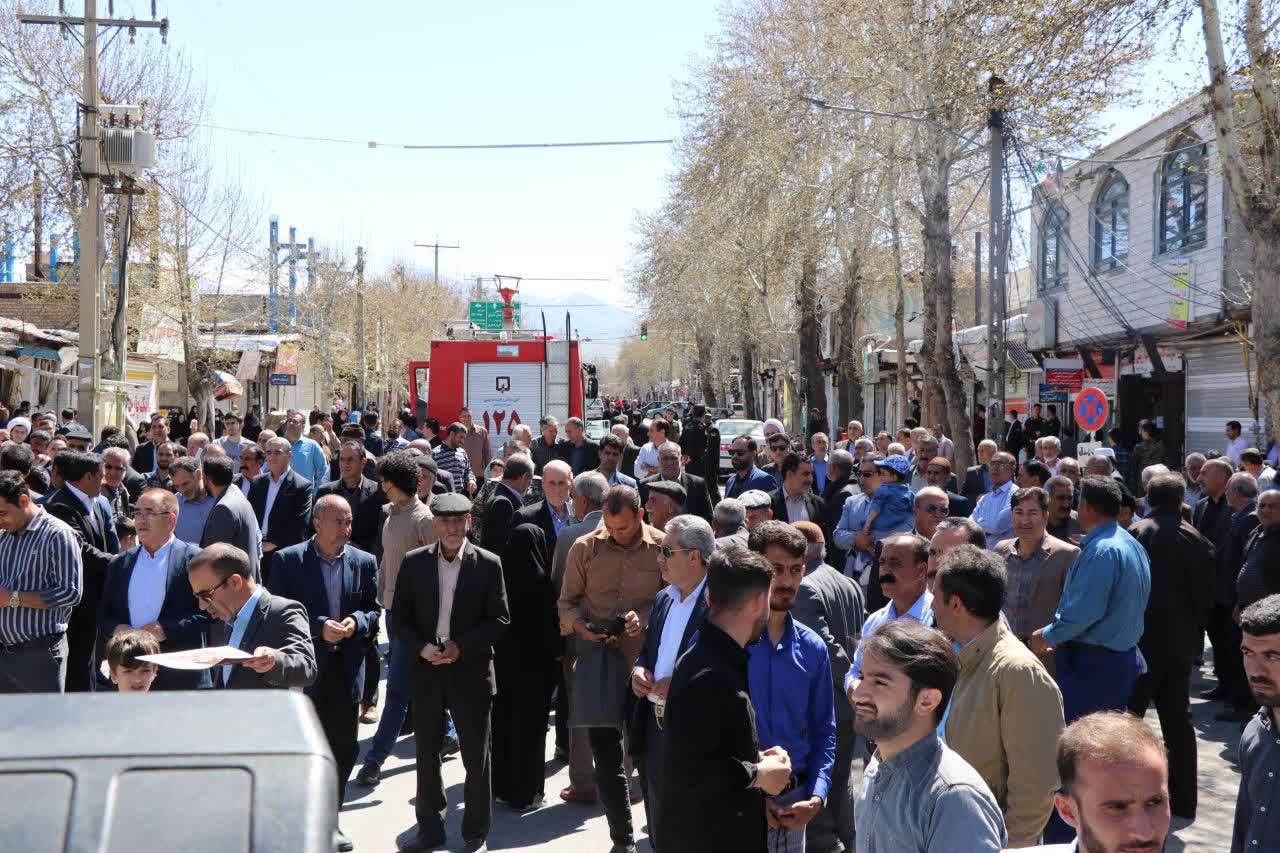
558,522
191,518
894,505
853,517
1104,601
795,708
308,460
239,626
819,472
995,516
756,479
921,611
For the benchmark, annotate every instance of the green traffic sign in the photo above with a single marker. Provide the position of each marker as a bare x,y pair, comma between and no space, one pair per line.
488,315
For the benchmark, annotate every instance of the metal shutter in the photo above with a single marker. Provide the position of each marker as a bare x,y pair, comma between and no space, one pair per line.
1217,392
501,394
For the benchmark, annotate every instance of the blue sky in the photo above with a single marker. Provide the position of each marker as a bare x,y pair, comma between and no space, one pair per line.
430,72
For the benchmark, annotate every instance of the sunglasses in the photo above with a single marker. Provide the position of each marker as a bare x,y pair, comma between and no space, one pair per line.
206,595
935,510
668,551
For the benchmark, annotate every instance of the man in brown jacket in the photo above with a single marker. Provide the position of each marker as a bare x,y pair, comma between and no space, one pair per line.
1006,711
611,578
476,444
1036,565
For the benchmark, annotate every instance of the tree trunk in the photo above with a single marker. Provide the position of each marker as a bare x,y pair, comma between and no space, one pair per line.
899,311
934,403
1266,320
849,358
706,352
747,375
813,382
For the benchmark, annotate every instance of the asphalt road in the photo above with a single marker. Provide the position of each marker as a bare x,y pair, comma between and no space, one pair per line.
381,818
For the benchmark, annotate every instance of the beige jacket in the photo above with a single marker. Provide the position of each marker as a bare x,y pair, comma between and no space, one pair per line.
403,528
1004,719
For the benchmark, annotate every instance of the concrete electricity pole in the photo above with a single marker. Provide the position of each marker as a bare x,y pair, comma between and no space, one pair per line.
436,247
90,367
361,337
996,266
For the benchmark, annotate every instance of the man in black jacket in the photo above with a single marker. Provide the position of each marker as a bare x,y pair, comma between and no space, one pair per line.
452,637
794,500
714,776
580,452
697,496
693,439
977,479
362,494
506,500
552,513
546,446
840,487
1181,600
281,501
1213,517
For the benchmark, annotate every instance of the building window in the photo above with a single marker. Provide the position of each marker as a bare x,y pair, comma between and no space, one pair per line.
1183,193
1111,224
1053,249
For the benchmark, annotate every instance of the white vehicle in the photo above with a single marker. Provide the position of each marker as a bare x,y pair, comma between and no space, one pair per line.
731,428
597,429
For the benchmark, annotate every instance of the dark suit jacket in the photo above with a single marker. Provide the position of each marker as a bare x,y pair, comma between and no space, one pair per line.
98,544
629,454
180,616
276,622
539,514
973,484
290,521
1182,574
958,505
697,496
366,503
834,496
477,619
134,483
144,457
499,518
816,508
1012,435
591,455
232,520
648,658
542,453
296,573
534,633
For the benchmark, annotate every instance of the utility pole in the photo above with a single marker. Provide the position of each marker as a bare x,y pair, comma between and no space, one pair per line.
360,328
436,247
997,262
90,366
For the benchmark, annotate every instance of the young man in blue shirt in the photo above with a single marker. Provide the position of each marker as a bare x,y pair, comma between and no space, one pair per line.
789,673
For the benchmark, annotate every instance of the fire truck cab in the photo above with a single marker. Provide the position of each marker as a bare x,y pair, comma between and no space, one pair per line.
503,378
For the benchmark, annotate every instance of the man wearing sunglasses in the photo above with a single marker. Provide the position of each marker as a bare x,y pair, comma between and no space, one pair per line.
938,473
746,476
115,462
147,589
270,627
931,507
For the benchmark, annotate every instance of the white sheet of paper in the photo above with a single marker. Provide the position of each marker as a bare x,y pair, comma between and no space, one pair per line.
198,658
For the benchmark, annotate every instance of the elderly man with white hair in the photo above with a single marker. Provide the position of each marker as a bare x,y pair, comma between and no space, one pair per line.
729,520
1191,468
977,479
1048,449
852,433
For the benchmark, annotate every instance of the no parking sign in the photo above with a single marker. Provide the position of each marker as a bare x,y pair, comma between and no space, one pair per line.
1091,409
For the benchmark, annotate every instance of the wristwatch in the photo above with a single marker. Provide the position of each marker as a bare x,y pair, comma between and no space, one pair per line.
13,599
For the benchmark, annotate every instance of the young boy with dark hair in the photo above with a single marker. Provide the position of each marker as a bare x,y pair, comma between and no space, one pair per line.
129,674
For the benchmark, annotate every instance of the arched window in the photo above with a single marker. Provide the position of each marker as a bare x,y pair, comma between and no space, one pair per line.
1183,193
1053,248
1111,224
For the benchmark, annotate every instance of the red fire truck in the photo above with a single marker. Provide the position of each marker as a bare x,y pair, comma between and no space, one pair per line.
504,378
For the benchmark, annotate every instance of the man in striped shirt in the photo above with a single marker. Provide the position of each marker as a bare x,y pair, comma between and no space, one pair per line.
451,456
40,581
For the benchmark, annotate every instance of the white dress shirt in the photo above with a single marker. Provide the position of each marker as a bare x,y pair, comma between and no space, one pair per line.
673,631
147,584
448,571
273,489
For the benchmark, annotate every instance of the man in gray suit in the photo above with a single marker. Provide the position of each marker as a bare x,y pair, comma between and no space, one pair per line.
232,519
730,522
573,745
273,629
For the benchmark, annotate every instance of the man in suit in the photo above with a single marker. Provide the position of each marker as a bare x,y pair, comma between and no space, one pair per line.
251,461
361,492
697,496
977,479
746,476
147,588
580,452
1012,434
729,521
794,500
612,459
272,628
338,585
115,462
679,612
546,446
937,473
552,513
507,498
77,504
1213,518
840,487
281,500
231,519
144,457
451,608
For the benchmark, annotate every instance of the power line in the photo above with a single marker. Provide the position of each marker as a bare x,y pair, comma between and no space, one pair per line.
485,146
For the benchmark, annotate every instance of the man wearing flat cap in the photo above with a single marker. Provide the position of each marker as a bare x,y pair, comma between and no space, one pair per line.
451,607
666,501
671,470
758,505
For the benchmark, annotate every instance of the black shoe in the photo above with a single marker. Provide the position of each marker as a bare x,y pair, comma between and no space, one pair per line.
341,843
477,845
406,728
623,848
370,774
426,840
1215,694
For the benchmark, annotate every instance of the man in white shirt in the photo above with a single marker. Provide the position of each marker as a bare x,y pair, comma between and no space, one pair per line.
1236,443
647,461
678,612
993,512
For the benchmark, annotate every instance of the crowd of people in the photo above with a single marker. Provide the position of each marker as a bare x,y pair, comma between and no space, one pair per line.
981,643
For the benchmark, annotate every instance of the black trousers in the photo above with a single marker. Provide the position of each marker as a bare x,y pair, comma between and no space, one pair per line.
465,694
372,673
611,783
340,720
1228,664
562,711
1167,683
649,763
79,663
833,825
520,727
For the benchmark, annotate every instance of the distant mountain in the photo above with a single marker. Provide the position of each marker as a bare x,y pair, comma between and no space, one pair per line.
590,316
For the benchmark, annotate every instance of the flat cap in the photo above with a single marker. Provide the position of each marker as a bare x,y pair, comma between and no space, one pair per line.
671,489
79,433
450,503
755,499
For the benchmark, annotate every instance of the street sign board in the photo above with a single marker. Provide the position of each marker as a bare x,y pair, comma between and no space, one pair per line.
1091,409
488,315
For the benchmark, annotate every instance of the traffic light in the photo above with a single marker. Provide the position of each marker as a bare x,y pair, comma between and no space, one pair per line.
644,331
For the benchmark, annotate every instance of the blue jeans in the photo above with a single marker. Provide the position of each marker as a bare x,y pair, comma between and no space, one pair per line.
396,708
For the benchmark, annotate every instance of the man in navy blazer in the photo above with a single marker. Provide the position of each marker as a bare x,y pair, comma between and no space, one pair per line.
679,612
147,588
281,500
338,586
746,476
231,519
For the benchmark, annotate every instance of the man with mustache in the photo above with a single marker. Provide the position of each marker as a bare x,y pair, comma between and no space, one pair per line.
1257,824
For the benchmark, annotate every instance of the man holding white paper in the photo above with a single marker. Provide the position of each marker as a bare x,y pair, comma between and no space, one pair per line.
273,629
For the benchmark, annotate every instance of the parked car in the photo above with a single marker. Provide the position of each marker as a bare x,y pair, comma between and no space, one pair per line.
731,428
597,429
